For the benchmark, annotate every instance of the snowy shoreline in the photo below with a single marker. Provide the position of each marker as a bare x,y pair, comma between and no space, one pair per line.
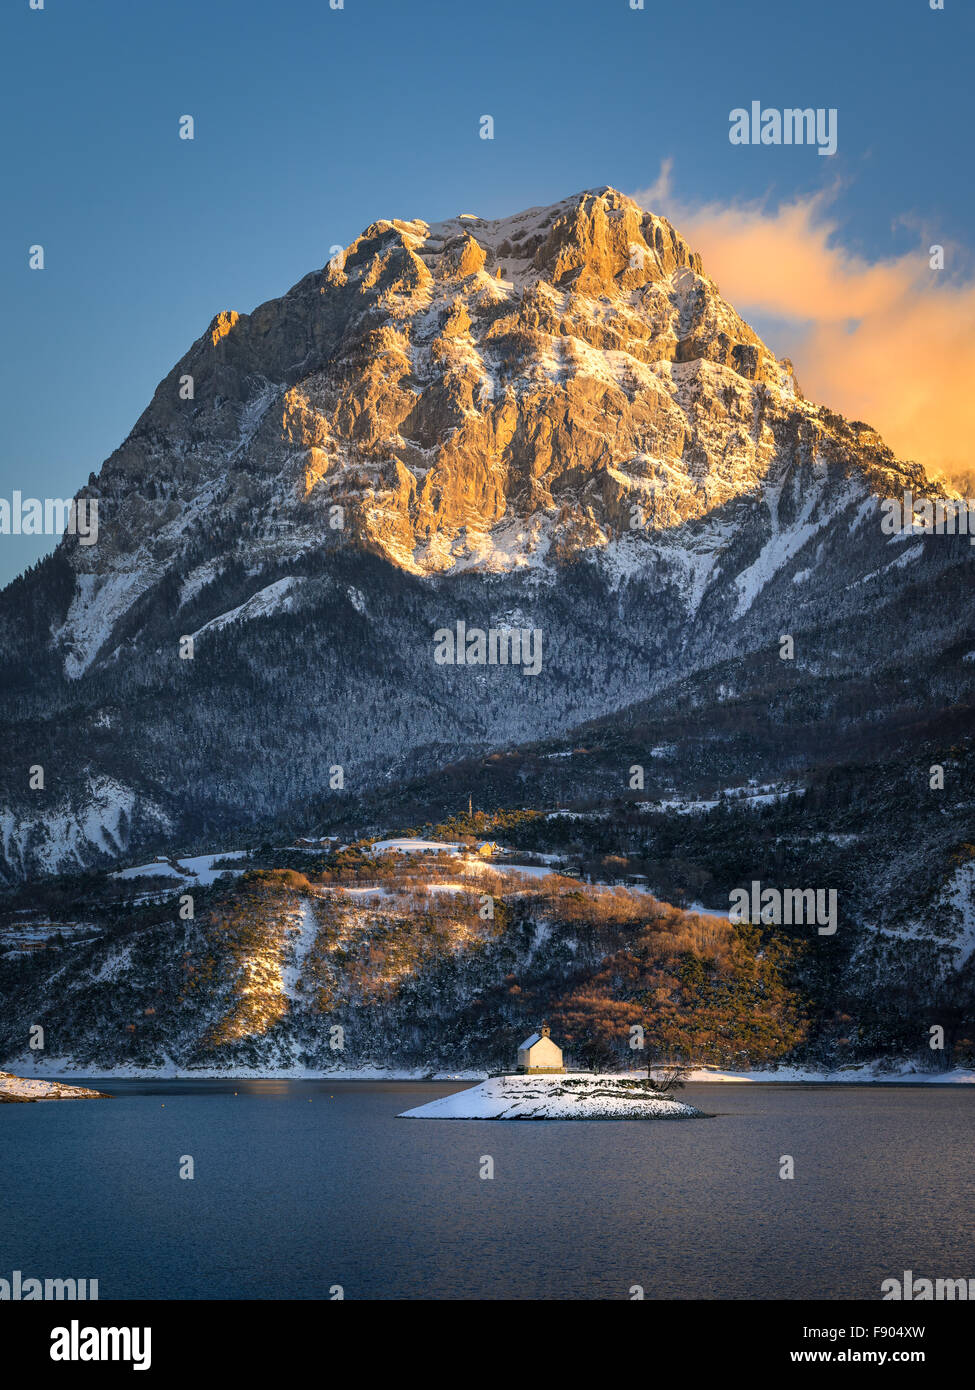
565,1096
866,1074
17,1088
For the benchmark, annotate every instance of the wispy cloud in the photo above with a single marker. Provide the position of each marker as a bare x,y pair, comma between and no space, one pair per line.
891,342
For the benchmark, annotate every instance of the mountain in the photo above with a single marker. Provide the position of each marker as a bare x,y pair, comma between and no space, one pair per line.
550,423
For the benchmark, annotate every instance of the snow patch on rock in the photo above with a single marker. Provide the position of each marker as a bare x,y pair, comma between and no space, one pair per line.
572,1096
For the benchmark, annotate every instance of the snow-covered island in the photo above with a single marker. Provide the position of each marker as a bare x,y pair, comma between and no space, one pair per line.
569,1096
17,1088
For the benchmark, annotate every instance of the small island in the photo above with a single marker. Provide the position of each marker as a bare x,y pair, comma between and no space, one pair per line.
541,1089
19,1088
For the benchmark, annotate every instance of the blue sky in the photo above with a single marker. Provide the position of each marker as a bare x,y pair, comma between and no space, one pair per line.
311,123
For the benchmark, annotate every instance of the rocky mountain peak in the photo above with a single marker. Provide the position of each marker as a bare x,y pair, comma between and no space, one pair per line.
551,421
470,394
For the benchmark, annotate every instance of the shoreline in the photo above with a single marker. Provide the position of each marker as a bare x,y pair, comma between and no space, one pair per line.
21,1090
63,1069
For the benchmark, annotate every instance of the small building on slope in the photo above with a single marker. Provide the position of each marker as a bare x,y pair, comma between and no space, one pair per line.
540,1053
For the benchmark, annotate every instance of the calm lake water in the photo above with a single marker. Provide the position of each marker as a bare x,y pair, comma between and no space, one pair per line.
302,1185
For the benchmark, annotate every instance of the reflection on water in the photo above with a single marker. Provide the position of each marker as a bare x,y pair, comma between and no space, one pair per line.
326,1186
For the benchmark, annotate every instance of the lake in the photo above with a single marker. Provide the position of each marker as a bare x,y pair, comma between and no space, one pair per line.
302,1185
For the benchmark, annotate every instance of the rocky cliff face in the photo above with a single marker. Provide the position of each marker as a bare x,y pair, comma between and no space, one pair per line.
551,421
437,376
470,394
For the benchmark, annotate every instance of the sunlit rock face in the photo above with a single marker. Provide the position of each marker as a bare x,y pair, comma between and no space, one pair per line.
476,393
549,421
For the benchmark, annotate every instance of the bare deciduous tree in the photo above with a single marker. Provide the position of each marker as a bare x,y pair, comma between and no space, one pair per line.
667,1076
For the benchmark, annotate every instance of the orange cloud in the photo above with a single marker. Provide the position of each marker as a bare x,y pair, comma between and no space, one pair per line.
890,342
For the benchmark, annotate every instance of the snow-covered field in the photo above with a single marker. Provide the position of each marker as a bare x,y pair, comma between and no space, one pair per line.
573,1096
412,845
201,869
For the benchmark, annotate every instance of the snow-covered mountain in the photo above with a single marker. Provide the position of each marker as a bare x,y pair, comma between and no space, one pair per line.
550,422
